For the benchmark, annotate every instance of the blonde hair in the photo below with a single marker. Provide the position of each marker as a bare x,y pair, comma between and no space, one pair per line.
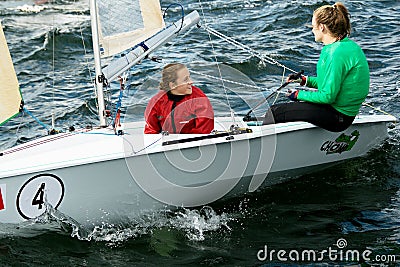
169,74
336,18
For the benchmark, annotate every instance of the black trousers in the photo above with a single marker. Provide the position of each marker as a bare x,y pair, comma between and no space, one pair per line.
321,115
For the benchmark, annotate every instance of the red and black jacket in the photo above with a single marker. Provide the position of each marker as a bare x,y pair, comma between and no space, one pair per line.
186,114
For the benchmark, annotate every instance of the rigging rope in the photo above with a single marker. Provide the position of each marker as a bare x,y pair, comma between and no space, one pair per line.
87,62
54,60
47,127
377,109
219,69
227,81
262,57
144,148
117,117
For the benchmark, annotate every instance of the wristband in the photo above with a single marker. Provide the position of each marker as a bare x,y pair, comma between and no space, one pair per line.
293,96
303,80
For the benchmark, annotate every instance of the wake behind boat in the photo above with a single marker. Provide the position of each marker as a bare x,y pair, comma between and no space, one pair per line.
96,175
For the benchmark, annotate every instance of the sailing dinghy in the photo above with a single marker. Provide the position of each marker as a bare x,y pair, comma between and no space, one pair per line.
98,175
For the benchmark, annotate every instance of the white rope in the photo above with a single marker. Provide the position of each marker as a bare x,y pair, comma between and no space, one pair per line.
85,51
219,70
87,63
53,60
88,66
376,109
144,148
263,58
227,81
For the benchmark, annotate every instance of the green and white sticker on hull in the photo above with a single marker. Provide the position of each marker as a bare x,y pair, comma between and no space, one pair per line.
341,144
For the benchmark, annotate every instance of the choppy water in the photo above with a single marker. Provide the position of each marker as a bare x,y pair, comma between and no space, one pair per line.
358,200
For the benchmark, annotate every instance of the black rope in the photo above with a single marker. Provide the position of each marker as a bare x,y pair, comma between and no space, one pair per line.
294,77
182,13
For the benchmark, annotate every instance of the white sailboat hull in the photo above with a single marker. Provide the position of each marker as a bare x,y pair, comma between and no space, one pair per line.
96,176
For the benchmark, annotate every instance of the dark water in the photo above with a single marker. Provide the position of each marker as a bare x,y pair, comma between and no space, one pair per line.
358,200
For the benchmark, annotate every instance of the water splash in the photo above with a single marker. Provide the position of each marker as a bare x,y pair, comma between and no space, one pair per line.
52,219
195,224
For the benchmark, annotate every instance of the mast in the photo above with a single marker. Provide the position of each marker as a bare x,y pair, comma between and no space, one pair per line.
97,62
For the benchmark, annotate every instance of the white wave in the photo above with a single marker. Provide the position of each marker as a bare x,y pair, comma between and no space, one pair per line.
31,8
194,224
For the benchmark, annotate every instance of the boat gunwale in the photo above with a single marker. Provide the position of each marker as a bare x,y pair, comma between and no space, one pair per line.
258,132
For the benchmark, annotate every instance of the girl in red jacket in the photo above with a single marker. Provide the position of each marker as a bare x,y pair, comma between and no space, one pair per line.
179,107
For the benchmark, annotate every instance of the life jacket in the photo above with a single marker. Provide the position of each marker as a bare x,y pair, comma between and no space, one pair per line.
186,114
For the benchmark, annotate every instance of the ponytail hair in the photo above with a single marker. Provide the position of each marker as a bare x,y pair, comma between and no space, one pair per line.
336,18
169,74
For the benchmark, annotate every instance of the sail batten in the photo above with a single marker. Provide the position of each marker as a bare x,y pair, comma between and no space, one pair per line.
124,25
10,95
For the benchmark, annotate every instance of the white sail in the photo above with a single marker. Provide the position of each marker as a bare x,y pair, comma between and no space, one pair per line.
124,25
134,56
10,95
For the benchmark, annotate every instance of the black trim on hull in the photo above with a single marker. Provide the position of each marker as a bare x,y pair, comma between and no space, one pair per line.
229,135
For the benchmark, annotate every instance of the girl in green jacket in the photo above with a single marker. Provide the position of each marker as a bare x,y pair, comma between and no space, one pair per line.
342,80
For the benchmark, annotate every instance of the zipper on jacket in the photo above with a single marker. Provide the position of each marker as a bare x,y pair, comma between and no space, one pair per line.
172,117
